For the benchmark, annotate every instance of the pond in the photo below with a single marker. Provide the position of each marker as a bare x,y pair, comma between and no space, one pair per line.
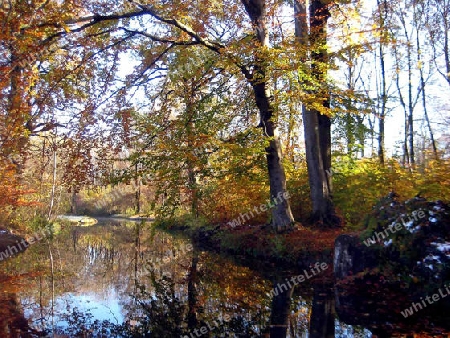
125,279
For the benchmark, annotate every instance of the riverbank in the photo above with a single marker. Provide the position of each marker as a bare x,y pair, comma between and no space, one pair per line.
299,248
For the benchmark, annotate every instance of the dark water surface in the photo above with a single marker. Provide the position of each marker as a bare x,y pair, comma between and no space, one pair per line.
124,279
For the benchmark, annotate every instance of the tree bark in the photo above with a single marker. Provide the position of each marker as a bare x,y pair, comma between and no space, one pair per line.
410,105
325,148
52,193
411,101
382,111
73,201
319,15
190,163
317,126
424,96
13,137
405,157
318,182
281,213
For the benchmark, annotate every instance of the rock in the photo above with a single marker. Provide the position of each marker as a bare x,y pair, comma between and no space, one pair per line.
351,257
405,256
409,242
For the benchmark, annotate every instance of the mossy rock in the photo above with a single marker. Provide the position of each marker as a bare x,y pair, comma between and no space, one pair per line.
409,242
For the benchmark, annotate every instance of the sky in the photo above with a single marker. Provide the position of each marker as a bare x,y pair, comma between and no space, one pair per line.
394,122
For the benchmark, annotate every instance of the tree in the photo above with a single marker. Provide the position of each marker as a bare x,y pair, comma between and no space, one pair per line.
235,40
420,23
438,25
383,92
354,103
281,213
254,70
317,124
253,62
180,149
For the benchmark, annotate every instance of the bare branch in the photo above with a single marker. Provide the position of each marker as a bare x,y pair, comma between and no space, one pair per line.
214,46
160,39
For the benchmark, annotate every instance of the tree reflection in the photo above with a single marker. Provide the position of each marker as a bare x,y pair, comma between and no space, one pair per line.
281,309
181,291
322,312
192,292
12,320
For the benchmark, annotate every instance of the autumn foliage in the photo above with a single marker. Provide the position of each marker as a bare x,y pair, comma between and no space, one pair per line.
93,100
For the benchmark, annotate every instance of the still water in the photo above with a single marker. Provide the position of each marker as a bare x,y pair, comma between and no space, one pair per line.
126,279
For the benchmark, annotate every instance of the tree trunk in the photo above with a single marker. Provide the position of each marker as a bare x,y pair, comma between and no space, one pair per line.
193,189
411,101
17,120
446,53
291,138
325,148
412,159
440,17
137,193
52,193
74,201
383,94
317,126
190,163
382,112
424,97
405,157
281,213
319,14
318,182
361,134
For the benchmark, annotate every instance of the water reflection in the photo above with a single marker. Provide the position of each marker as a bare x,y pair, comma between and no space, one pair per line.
13,322
280,311
128,280
322,312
